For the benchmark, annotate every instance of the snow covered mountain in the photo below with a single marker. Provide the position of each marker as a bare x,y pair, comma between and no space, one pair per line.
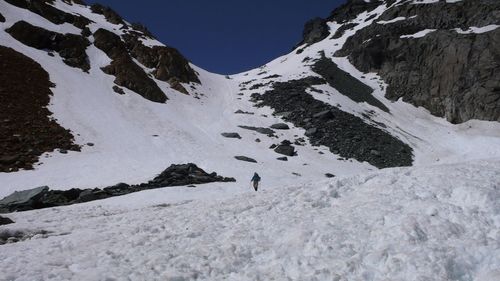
88,100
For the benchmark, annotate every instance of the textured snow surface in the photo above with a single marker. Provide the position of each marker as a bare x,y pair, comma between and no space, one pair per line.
433,223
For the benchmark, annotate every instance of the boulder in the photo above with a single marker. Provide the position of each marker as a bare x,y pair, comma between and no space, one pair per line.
231,135
265,131
285,149
280,126
246,159
4,221
24,200
282,158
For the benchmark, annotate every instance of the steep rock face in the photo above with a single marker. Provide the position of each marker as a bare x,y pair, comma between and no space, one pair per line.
70,47
26,127
453,75
315,30
2,19
110,15
51,13
167,62
128,74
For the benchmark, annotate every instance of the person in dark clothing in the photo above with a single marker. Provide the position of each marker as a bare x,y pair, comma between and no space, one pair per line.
255,180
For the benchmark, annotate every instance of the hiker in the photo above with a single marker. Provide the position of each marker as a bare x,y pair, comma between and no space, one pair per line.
255,180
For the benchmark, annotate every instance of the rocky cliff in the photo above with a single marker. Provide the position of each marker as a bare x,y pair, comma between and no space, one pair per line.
442,55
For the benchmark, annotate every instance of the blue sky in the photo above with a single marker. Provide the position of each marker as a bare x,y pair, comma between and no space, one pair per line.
225,36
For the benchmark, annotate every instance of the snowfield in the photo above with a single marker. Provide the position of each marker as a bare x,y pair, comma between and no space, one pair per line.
433,223
438,220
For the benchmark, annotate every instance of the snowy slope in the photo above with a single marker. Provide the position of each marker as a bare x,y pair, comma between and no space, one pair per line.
135,139
439,220
430,223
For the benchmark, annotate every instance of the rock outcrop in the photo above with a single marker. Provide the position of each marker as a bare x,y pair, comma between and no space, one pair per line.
128,74
345,134
345,83
43,197
71,47
26,127
51,13
4,221
452,71
315,30
2,18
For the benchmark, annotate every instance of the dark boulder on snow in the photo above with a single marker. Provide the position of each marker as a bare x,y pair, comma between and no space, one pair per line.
186,174
285,148
4,221
22,200
265,131
282,158
231,135
246,159
280,126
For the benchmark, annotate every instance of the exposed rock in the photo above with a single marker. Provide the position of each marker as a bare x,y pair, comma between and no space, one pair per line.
328,175
128,74
341,30
265,131
352,8
4,221
42,197
346,84
310,132
452,75
282,158
118,90
285,148
2,19
231,135
8,236
23,200
337,133
51,13
110,15
239,111
246,159
26,127
315,30
280,126
168,63
70,47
